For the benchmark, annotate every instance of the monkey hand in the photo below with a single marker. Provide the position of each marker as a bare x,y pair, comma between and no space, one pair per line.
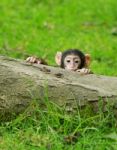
84,71
33,59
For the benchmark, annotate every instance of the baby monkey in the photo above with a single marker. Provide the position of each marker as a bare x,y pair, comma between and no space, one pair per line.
72,59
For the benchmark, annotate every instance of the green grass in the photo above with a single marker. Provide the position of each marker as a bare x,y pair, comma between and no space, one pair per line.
42,27
52,129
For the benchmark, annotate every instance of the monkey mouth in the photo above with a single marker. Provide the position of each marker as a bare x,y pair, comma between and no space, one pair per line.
72,69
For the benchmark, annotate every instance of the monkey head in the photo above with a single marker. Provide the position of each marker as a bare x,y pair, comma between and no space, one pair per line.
72,59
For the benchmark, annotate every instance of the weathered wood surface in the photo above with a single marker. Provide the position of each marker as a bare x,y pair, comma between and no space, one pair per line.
21,83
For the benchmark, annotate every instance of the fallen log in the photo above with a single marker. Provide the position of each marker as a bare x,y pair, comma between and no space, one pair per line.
21,83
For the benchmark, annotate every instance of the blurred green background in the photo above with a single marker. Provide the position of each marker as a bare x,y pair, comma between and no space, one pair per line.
42,27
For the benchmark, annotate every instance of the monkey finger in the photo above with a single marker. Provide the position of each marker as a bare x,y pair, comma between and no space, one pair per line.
84,71
81,71
38,61
31,59
87,71
28,59
78,70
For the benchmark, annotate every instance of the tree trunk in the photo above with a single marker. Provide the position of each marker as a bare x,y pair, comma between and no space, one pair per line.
21,83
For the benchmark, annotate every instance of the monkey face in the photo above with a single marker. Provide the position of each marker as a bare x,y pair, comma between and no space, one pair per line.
72,62
72,59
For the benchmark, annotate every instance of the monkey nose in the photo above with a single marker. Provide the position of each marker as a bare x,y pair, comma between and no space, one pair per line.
72,65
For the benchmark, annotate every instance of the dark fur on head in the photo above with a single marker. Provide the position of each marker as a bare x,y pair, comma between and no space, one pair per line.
73,52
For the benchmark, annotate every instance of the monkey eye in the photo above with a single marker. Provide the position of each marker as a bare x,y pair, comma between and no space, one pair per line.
76,61
68,61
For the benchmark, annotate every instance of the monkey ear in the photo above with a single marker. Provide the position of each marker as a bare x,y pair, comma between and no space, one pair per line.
87,60
58,58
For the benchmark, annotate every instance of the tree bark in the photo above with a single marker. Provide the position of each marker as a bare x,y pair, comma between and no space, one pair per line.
21,83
